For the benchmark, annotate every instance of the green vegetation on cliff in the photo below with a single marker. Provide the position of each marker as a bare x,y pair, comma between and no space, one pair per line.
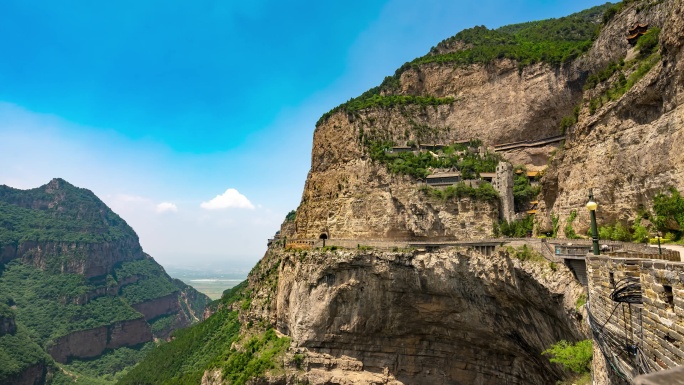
153,281
483,192
373,99
60,212
625,74
469,163
552,41
523,191
574,357
517,229
210,345
19,352
106,369
46,302
669,212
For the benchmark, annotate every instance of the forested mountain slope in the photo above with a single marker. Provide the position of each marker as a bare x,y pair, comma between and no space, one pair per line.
76,287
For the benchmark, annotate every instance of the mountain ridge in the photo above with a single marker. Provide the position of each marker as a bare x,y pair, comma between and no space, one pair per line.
75,280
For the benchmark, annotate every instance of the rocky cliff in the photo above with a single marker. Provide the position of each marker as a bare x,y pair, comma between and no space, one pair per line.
423,317
93,342
348,195
629,148
626,149
78,279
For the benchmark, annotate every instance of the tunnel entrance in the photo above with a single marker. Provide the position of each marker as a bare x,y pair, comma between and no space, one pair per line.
323,236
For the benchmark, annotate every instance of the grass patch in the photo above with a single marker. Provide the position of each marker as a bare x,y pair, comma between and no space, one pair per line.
574,357
524,253
484,192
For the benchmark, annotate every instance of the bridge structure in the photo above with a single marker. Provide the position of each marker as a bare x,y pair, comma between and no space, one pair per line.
528,143
573,253
484,246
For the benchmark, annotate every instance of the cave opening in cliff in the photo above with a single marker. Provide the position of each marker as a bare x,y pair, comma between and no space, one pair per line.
323,236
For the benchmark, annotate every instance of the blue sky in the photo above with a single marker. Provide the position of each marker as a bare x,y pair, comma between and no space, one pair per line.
161,106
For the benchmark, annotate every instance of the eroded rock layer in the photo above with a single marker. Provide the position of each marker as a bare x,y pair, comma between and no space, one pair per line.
443,317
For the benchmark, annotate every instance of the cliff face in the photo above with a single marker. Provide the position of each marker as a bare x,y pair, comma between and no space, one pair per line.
93,342
358,199
442,317
88,259
347,195
159,306
630,148
626,150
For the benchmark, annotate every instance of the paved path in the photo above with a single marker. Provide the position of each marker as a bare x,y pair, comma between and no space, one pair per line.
679,248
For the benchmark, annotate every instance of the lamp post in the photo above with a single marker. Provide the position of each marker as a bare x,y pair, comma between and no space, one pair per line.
591,206
660,251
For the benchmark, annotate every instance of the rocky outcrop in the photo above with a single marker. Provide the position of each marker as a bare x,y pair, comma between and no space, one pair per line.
362,200
33,375
630,148
7,325
348,196
93,342
159,306
89,259
439,317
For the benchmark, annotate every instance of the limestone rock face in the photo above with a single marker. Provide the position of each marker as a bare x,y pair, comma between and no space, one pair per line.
630,149
440,317
348,196
101,257
159,306
93,342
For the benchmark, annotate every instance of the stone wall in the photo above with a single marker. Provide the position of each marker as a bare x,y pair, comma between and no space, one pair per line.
503,184
639,329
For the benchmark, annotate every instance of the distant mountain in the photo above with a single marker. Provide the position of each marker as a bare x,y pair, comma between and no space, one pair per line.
79,299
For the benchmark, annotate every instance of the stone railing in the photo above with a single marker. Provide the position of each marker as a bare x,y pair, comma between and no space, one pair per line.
350,243
666,255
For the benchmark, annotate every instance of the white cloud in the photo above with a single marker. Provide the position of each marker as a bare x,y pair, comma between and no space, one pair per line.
229,199
166,206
